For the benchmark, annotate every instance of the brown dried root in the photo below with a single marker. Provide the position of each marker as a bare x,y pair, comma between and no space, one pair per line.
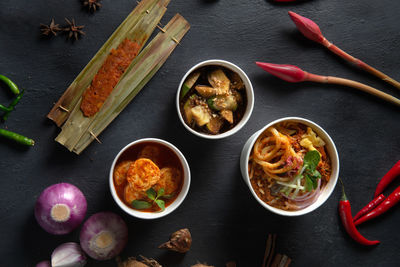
133,262
180,241
150,262
201,265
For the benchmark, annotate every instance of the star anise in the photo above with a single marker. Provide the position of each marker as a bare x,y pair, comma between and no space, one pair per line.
73,30
91,5
50,29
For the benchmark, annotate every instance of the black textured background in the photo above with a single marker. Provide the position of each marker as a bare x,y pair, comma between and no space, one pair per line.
225,221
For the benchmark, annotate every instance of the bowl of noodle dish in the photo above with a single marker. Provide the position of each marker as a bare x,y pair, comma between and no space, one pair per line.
291,166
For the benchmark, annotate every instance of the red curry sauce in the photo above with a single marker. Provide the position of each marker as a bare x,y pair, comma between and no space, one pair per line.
108,76
166,158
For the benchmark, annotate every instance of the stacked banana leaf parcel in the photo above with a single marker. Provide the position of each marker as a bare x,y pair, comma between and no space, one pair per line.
78,128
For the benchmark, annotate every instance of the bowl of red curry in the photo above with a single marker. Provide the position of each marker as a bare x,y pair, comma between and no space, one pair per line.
149,178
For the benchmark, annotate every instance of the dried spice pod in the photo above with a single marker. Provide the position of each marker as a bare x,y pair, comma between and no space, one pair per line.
91,5
180,241
51,29
73,30
133,262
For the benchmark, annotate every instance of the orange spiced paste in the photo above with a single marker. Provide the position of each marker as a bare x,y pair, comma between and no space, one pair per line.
108,76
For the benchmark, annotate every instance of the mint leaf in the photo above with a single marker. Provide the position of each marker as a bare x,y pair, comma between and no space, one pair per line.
161,204
160,192
316,175
309,183
311,159
151,193
312,179
141,205
169,196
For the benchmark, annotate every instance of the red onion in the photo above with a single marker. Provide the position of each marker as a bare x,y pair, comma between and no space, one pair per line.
104,235
311,198
68,255
60,208
308,198
43,264
309,194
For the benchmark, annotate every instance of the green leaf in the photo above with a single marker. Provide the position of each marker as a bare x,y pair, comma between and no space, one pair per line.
160,192
151,193
141,205
309,183
316,175
161,204
311,159
169,196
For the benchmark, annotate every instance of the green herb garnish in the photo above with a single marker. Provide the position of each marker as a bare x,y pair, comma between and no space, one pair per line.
141,204
310,163
152,195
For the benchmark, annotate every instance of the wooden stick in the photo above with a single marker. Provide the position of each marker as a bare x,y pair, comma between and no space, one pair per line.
271,255
289,260
62,108
353,84
267,249
283,261
95,137
277,260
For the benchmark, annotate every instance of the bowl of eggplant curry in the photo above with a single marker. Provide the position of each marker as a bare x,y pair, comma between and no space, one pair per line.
214,99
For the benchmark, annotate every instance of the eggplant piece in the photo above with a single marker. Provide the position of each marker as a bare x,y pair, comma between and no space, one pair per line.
219,81
227,115
236,81
187,111
215,124
205,91
238,96
222,102
200,115
189,82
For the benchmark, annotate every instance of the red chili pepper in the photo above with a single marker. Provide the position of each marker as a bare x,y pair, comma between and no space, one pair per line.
347,221
388,178
369,207
389,202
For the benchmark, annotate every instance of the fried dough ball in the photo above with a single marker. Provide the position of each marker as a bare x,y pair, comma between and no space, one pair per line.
170,180
143,174
152,153
120,172
130,194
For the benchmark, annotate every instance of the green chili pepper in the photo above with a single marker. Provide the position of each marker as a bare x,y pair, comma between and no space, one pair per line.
5,109
17,137
12,106
13,87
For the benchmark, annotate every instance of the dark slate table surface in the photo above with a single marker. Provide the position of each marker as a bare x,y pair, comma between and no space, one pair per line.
225,220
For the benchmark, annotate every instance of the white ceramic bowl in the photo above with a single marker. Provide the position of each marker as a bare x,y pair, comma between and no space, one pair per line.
170,208
249,94
326,191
